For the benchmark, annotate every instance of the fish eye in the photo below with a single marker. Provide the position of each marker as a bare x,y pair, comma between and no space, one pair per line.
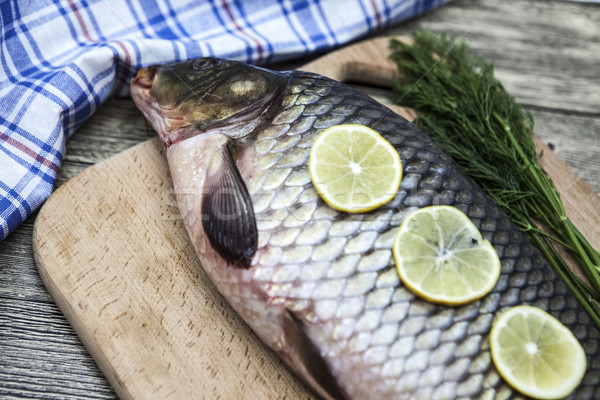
202,63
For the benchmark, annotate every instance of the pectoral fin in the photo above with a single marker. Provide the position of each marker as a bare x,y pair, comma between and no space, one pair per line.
228,214
307,361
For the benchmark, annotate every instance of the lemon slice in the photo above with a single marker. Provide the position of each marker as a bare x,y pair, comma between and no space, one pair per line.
353,168
536,354
441,256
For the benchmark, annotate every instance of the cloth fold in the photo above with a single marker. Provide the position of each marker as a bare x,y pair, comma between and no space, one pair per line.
61,59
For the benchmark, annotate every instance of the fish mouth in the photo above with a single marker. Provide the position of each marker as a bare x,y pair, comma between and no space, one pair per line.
145,77
140,89
167,122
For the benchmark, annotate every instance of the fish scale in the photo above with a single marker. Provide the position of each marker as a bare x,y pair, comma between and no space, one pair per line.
405,321
332,273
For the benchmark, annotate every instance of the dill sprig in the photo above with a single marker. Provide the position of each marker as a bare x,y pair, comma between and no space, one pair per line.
467,110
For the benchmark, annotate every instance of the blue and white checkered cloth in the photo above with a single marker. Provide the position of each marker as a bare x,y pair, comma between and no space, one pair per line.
60,59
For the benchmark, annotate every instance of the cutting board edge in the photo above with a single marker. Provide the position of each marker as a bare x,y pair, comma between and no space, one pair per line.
58,294
130,377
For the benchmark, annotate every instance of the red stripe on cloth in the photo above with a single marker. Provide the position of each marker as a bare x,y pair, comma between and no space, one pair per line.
87,35
127,67
81,22
259,47
377,15
22,147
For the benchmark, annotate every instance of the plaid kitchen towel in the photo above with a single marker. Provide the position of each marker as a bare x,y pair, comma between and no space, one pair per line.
60,59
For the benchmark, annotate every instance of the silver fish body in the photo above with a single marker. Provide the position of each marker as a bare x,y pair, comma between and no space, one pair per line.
320,286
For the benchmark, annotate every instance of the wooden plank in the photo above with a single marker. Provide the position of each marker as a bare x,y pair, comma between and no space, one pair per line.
545,52
574,138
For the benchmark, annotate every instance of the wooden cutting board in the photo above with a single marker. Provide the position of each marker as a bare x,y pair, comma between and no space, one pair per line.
113,253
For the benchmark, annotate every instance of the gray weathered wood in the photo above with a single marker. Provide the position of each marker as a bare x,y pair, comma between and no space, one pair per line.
546,52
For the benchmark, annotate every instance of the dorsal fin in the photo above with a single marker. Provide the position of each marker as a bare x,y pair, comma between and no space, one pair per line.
227,211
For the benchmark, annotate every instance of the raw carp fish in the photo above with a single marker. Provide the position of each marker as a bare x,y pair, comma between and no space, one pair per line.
320,286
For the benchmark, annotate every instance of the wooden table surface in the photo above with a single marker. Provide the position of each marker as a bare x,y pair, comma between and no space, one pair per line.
547,53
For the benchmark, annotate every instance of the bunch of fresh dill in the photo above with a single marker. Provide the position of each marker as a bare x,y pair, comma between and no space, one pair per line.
467,110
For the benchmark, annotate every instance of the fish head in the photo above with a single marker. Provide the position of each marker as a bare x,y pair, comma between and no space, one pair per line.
184,99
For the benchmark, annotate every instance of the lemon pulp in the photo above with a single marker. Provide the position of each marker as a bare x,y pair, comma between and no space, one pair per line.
353,168
536,354
441,256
